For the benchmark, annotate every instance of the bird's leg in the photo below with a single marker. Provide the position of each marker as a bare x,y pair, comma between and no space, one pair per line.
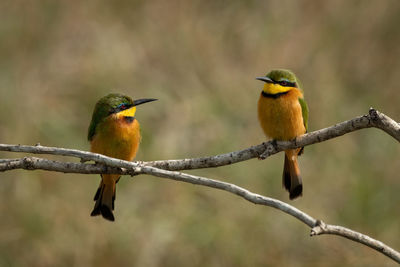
270,147
300,149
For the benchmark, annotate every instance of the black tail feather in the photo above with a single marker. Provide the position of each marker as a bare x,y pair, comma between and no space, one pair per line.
100,208
107,213
291,178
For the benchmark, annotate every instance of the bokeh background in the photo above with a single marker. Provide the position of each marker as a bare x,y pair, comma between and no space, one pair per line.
199,58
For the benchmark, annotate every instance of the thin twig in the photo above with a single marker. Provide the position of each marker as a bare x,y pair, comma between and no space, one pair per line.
322,228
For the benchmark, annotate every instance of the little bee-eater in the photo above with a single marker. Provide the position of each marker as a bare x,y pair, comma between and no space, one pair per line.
114,132
283,115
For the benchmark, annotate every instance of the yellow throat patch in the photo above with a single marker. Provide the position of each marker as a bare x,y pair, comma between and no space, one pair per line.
130,112
273,88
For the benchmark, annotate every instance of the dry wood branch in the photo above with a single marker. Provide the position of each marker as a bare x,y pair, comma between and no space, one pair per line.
317,226
373,119
167,169
83,155
34,163
322,228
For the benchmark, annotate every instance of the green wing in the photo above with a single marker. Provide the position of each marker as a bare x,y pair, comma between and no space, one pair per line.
99,113
92,129
304,111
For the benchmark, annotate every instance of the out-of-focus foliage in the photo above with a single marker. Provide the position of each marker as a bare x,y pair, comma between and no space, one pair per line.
200,59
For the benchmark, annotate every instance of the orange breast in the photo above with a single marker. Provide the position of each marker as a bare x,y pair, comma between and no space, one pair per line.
281,118
117,137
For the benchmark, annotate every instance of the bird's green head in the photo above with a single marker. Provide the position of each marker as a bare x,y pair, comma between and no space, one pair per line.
279,81
114,105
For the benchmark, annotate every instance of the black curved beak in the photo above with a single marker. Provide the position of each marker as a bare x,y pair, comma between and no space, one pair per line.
142,101
265,79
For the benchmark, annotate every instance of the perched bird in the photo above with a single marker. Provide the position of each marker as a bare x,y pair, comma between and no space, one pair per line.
283,115
114,132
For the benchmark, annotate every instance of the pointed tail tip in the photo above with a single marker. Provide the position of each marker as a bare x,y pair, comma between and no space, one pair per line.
95,212
107,213
296,192
104,211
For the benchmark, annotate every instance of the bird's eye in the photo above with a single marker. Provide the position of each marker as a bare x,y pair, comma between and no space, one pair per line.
283,83
121,106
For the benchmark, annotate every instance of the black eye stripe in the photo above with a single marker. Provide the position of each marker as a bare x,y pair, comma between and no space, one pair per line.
285,83
120,108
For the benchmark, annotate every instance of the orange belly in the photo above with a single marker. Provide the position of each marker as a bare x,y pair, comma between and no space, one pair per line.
281,118
117,138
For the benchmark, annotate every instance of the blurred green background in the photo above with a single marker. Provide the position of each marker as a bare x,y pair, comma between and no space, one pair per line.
200,58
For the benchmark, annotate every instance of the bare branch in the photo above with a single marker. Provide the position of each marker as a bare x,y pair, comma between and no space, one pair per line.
83,155
264,150
372,119
168,169
322,228
34,163
317,226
